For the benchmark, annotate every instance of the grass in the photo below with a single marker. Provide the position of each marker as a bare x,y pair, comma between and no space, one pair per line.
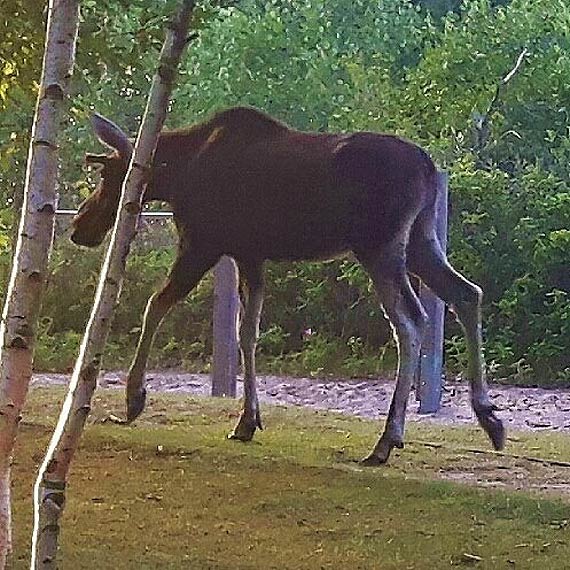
172,492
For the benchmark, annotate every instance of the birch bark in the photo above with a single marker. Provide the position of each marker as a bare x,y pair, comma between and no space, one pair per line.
49,492
33,243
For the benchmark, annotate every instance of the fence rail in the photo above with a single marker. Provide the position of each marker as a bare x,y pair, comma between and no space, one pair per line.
144,213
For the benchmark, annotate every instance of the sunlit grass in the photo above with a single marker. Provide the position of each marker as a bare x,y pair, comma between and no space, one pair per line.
172,492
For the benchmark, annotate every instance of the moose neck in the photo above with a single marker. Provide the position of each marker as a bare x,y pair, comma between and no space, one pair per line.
174,152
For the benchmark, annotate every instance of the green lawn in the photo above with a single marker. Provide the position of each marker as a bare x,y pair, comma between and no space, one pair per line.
172,492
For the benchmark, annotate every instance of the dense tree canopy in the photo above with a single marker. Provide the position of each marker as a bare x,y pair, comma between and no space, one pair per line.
425,69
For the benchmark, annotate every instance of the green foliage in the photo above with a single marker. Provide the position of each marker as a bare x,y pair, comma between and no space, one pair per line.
512,239
426,69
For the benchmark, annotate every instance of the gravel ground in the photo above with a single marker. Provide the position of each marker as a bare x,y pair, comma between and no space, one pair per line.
521,408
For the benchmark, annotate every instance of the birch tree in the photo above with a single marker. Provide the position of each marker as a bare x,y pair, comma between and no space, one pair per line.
49,492
33,243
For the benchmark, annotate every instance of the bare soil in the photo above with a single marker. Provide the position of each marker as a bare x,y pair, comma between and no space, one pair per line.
527,409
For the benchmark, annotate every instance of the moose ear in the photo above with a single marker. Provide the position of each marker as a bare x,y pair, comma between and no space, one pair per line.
112,136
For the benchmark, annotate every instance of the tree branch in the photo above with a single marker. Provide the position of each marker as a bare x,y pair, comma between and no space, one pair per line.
483,123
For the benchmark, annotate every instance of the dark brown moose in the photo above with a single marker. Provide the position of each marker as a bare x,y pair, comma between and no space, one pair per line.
246,185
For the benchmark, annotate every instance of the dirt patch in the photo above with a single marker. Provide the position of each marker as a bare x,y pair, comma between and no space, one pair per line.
504,472
529,409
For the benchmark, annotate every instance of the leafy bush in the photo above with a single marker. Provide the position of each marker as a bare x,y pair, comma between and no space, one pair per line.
427,70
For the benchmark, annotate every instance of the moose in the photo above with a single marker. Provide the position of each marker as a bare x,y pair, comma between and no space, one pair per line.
246,185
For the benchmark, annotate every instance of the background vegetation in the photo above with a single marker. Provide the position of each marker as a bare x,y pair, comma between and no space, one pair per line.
425,69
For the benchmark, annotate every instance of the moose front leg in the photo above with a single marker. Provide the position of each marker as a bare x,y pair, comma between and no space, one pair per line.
250,418
188,270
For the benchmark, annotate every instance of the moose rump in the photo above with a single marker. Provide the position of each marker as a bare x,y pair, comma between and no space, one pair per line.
244,184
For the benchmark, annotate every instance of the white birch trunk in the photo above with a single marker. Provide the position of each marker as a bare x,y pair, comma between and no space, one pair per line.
49,493
33,243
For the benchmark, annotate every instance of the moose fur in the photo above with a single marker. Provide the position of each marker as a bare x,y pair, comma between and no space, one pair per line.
246,185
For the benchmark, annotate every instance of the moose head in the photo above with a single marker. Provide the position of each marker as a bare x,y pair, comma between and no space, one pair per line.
97,214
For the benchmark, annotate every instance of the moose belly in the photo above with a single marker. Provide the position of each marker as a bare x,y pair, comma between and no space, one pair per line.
287,235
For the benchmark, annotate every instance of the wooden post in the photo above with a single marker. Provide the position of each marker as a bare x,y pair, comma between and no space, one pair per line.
226,311
431,356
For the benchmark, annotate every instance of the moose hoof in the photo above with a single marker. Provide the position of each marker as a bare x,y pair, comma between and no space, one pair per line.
381,453
245,428
492,425
373,460
135,404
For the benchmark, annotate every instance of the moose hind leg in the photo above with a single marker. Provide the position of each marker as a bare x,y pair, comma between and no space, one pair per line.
407,318
186,272
250,418
429,263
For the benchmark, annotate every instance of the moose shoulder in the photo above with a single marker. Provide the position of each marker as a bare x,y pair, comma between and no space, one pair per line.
246,185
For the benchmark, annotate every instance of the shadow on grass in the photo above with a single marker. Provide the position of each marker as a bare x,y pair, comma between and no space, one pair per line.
172,492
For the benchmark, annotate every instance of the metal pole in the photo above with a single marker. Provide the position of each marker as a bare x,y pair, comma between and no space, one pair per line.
226,311
431,355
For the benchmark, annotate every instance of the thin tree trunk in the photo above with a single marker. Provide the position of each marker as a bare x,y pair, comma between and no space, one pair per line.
49,493
33,244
